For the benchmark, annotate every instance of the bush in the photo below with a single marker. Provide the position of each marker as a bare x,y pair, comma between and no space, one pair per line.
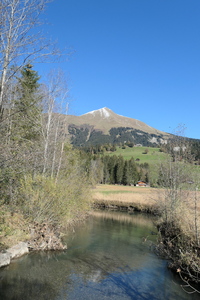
43,200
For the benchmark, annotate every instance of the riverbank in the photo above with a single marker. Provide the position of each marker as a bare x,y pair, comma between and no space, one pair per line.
179,240
140,198
130,198
178,221
41,237
20,236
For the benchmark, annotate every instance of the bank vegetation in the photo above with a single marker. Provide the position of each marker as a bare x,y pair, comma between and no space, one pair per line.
42,178
176,202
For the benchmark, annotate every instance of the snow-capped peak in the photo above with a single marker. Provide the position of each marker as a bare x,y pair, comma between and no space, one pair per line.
104,112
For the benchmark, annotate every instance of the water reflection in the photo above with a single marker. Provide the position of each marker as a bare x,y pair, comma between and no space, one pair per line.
107,258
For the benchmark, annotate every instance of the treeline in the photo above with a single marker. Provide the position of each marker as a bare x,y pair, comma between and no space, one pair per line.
96,142
99,149
113,169
117,170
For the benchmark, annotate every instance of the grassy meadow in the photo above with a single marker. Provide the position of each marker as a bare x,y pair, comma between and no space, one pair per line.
149,155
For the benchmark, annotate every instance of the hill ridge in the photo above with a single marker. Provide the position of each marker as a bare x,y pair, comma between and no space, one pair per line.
104,126
95,118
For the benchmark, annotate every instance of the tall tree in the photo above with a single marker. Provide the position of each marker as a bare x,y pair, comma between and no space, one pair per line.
55,104
119,169
126,174
27,106
19,132
20,39
133,171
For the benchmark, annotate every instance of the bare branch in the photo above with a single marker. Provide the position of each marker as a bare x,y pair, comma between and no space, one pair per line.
20,38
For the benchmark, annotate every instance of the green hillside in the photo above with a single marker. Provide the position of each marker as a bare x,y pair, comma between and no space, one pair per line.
149,155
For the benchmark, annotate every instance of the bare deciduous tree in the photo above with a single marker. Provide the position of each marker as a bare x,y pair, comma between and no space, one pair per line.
179,208
56,102
20,38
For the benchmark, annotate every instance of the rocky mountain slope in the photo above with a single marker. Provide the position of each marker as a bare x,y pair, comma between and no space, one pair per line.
104,119
104,126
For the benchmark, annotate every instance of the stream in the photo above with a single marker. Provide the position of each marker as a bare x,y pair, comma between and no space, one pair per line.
109,256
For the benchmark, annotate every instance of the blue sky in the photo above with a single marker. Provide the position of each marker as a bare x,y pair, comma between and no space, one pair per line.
140,58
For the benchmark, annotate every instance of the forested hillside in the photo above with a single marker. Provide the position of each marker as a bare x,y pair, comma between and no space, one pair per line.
83,136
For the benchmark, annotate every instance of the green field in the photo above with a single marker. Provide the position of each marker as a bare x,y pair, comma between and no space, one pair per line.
152,156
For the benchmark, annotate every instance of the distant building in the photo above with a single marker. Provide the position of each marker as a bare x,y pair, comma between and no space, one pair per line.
141,183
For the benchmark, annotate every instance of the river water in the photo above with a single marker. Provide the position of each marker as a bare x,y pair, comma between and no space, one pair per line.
109,256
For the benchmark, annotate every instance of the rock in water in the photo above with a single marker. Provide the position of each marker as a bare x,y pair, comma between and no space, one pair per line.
18,250
4,259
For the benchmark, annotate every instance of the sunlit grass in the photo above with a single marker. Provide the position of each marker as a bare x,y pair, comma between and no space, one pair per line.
140,197
152,156
115,192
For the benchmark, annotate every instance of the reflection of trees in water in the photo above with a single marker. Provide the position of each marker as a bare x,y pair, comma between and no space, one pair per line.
121,283
105,252
125,283
26,289
44,276
36,276
134,218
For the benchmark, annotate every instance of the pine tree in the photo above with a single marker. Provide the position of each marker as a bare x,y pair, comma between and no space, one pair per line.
27,109
22,131
126,174
119,169
133,171
106,174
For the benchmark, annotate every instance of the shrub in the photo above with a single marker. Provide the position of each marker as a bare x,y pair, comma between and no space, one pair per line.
43,200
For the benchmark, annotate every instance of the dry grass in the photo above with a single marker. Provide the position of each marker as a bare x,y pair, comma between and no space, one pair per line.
125,193
133,194
144,198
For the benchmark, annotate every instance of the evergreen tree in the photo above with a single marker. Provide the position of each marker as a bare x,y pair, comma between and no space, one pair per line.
112,168
126,174
27,109
133,171
119,169
106,175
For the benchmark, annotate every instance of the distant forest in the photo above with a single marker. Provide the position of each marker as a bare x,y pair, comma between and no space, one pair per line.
82,137
92,140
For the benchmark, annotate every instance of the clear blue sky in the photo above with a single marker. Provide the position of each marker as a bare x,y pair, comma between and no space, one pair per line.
140,58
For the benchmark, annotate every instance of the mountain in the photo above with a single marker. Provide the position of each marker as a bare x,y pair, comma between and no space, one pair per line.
104,126
105,119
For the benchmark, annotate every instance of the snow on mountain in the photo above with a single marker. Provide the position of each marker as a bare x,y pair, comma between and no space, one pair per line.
103,112
104,119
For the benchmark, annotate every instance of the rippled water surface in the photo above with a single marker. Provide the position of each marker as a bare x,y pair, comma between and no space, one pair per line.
110,256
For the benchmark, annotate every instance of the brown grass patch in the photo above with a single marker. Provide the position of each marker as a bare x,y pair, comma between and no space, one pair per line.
130,194
126,193
142,198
